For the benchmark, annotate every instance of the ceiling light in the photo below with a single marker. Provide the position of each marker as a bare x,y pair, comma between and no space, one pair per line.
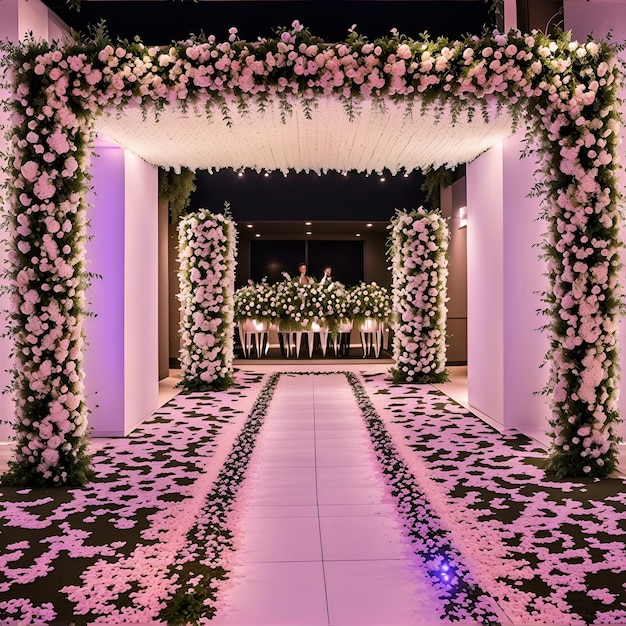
382,179
358,234
249,226
463,217
258,235
307,223
266,174
369,224
308,232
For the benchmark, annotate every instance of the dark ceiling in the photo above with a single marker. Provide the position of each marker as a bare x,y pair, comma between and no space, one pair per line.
298,197
302,197
164,21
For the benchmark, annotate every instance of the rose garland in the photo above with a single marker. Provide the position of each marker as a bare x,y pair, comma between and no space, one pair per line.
417,250
204,562
570,88
206,253
463,597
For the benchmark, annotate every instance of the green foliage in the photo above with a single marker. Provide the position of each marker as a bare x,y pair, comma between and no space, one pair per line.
420,377
435,179
186,607
78,472
195,384
176,189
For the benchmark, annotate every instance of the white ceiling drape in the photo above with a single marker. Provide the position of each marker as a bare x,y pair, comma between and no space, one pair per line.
373,141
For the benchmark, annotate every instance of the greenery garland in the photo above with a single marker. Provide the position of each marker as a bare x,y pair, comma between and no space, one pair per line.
206,253
417,249
565,91
462,596
204,561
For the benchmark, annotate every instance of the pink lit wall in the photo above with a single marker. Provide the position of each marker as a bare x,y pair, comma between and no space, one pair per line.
104,353
141,305
505,347
599,17
523,272
121,360
8,30
484,284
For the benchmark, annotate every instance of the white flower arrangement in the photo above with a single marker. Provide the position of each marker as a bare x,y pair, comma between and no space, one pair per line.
418,247
206,253
299,306
256,301
574,119
294,306
369,301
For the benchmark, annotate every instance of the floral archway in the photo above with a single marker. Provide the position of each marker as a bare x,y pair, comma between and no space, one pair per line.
565,92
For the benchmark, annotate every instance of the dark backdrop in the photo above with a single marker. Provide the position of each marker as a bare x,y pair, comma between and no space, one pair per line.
271,258
161,22
355,197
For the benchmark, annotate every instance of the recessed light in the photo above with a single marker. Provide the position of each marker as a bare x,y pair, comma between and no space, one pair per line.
307,223
382,179
249,226
308,232
258,235
369,224
266,174
358,234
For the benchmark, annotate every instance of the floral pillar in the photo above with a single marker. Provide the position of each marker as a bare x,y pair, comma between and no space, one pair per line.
418,245
582,251
47,214
207,244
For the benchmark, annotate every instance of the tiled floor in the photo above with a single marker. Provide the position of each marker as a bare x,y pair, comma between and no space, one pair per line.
321,542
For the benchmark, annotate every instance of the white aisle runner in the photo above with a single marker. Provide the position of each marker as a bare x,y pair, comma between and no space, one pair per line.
321,543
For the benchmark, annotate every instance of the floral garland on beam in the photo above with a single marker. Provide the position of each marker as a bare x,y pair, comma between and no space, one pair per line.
206,252
417,249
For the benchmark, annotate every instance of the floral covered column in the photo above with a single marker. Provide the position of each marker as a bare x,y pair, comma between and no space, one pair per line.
582,250
47,301
417,249
207,247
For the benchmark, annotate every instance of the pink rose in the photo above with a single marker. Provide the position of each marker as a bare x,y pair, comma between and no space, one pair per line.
30,171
